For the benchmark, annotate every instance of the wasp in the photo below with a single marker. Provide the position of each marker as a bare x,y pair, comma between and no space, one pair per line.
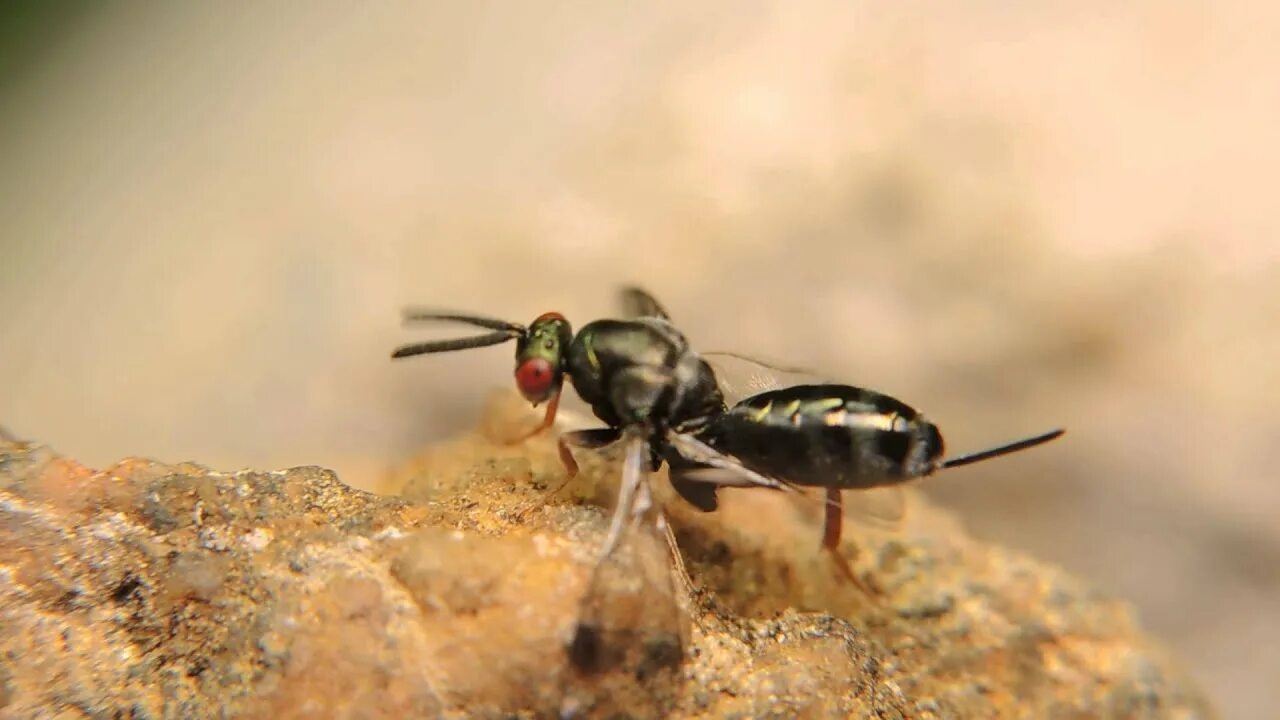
640,378
668,403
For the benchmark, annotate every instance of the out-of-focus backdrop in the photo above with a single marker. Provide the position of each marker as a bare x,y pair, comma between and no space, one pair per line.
1013,215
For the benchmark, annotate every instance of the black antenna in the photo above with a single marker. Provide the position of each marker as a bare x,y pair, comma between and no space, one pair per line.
504,331
420,315
1002,450
435,346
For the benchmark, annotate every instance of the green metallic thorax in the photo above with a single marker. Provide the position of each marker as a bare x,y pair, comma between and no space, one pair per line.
641,371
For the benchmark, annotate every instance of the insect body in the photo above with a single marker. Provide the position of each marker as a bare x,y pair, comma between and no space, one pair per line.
639,376
668,403
642,372
837,437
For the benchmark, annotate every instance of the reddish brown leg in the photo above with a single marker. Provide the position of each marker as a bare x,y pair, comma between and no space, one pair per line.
566,459
570,467
594,438
548,420
834,519
834,523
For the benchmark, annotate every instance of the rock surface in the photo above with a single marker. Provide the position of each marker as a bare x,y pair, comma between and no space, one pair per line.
172,591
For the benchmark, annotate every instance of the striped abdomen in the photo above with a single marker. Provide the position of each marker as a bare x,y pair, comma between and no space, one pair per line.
836,436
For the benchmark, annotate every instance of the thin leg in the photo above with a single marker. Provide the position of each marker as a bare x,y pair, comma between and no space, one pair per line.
632,478
592,438
588,439
682,585
831,531
548,419
834,524
677,558
566,459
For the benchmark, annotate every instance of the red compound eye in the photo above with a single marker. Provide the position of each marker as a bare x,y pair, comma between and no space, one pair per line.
534,377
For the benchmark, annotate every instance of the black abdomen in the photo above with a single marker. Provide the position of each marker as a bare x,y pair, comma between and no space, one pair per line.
828,435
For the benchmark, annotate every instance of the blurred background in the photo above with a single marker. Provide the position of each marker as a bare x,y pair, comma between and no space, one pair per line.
1011,215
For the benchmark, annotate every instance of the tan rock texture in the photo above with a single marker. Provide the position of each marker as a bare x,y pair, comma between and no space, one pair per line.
172,591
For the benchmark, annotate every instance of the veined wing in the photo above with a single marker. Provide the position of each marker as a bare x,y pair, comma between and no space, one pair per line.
637,302
633,620
741,376
882,507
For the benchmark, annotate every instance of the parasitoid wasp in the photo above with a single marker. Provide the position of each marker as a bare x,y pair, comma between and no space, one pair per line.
642,379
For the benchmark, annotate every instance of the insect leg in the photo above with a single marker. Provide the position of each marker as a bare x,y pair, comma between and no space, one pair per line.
590,439
683,583
632,480
834,519
677,558
548,419
831,530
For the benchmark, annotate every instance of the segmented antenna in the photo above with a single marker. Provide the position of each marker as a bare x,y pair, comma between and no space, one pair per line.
435,346
412,315
1001,450
504,331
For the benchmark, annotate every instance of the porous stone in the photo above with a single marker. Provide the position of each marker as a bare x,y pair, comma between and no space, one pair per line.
147,590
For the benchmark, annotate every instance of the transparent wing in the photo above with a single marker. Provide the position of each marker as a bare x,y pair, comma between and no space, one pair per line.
630,617
639,303
633,621
741,376
882,507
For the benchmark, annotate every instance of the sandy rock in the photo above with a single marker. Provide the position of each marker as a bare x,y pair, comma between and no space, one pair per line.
157,591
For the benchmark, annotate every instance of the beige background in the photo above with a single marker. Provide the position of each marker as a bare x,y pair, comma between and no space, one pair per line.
1012,215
